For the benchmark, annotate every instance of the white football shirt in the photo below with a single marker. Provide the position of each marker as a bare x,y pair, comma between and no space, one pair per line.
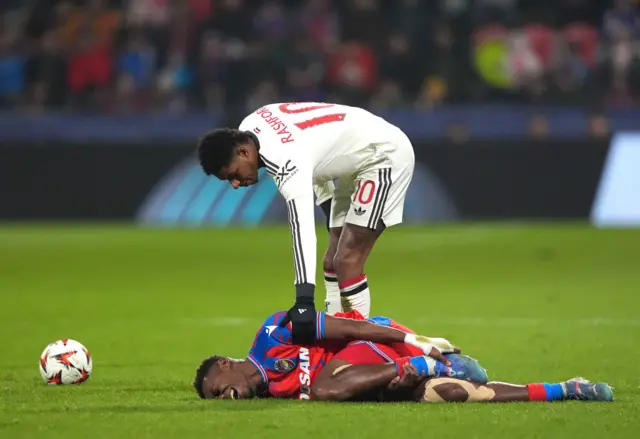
309,144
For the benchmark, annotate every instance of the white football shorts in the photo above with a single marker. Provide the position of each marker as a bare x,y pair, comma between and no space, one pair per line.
377,192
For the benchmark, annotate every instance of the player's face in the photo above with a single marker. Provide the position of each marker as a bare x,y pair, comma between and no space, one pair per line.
242,171
225,382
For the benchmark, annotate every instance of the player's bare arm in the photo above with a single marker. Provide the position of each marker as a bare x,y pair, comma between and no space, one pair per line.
339,328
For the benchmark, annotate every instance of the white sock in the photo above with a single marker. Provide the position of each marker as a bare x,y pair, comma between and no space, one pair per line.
354,294
332,302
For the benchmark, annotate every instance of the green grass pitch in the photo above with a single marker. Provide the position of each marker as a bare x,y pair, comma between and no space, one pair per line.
531,302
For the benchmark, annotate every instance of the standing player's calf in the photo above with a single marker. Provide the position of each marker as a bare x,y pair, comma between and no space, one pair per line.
332,302
353,249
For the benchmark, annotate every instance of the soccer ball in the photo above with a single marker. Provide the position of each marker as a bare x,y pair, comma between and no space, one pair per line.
65,361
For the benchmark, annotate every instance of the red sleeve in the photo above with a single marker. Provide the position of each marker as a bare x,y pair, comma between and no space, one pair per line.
400,327
355,315
403,349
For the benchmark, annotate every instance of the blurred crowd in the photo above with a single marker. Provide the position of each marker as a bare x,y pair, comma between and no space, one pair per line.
178,55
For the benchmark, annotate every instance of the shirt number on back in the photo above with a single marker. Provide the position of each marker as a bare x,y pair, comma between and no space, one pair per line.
321,120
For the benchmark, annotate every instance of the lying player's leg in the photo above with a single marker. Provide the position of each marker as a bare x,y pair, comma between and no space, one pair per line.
454,390
368,382
372,372
357,372
363,370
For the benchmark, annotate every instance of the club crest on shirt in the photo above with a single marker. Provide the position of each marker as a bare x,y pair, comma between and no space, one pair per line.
284,365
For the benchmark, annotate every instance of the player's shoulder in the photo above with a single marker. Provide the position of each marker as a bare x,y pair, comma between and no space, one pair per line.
275,318
248,123
272,331
269,331
258,112
272,131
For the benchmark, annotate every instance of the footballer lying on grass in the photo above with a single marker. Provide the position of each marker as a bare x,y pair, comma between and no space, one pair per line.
353,359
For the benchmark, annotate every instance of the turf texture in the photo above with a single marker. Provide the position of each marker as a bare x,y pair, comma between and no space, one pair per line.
531,302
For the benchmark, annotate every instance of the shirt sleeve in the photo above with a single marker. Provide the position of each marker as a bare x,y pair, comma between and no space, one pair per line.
293,177
271,329
284,334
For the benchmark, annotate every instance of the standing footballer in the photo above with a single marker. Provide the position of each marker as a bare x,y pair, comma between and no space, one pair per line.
357,164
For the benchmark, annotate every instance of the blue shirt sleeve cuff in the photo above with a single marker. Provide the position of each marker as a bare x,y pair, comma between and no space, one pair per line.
320,326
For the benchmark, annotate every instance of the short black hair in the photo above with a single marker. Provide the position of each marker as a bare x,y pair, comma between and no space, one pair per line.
202,372
216,148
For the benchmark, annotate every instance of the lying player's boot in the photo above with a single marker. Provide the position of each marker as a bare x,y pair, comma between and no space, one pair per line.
583,390
463,367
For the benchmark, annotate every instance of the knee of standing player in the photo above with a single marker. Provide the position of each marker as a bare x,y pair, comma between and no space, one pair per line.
327,392
330,254
348,259
327,262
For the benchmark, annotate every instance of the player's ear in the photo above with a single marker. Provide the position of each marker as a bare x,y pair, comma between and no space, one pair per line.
224,364
243,151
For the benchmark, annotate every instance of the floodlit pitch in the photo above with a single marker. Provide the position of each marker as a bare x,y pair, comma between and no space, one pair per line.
531,301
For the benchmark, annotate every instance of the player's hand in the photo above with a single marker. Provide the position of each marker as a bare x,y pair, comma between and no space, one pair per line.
434,347
437,355
410,379
443,345
303,322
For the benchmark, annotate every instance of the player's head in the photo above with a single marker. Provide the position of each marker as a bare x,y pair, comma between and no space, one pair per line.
221,378
230,155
